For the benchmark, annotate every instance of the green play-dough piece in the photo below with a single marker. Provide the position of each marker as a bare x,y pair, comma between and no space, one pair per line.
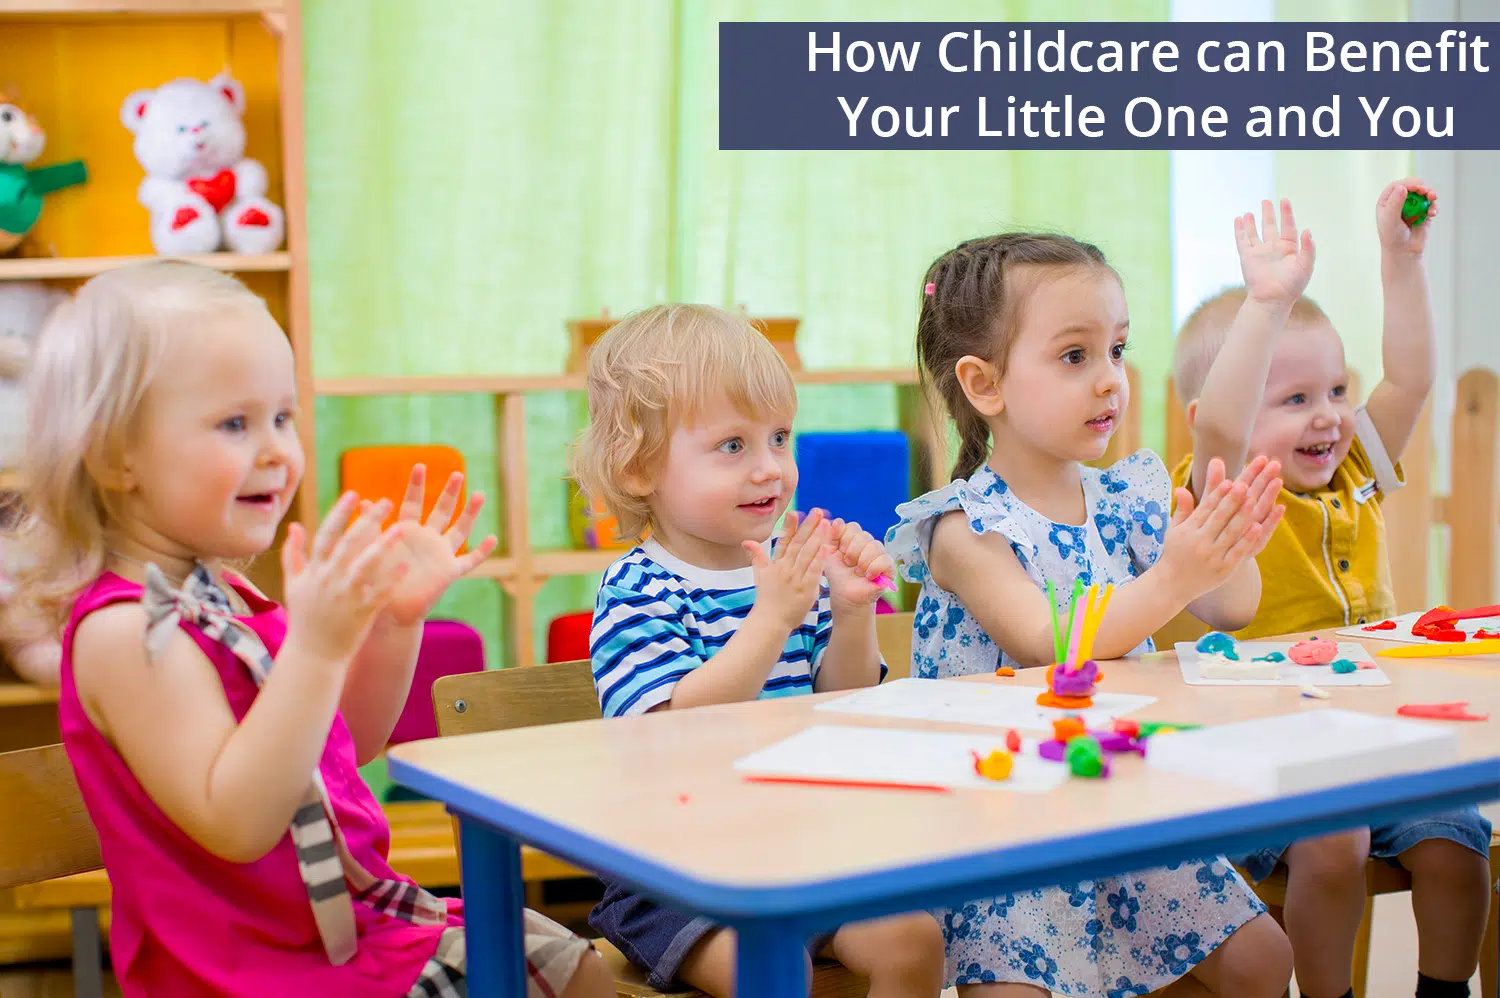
1343,665
1084,757
1414,209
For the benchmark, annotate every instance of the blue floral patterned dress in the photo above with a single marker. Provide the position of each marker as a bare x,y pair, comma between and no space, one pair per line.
1114,937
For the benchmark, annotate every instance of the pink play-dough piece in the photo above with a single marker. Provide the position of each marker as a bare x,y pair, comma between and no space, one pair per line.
1313,651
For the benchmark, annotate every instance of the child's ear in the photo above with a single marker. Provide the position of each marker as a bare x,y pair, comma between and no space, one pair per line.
111,471
636,483
981,384
1192,413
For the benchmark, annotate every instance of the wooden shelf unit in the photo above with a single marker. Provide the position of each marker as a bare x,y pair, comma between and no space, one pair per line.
520,570
76,60
50,268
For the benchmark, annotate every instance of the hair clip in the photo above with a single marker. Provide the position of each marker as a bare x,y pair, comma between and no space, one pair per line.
929,289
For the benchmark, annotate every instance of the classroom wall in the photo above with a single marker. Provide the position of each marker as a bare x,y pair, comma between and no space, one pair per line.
467,197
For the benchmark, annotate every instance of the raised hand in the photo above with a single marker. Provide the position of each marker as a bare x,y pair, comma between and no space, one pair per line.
857,558
334,592
430,546
787,586
1395,235
1275,263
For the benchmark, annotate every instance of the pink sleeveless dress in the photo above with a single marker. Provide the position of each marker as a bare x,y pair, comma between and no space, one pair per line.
185,922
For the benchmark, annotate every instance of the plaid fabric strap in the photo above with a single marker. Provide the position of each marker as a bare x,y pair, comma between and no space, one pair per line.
322,855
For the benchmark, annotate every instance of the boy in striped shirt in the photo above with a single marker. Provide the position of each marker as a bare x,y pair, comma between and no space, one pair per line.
690,438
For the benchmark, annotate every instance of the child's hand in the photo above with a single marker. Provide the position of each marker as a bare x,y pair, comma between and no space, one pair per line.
788,586
334,592
858,557
1233,522
1278,268
1395,235
430,552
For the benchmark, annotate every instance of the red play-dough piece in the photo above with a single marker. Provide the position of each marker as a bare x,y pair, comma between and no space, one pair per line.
1013,740
1125,726
1457,711
1483,634
1384,625
1435,622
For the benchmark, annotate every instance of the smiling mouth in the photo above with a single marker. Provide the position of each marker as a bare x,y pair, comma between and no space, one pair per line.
1317,452
1101,422
760,506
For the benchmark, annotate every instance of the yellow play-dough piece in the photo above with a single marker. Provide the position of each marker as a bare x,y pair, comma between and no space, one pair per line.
995,766
1484,646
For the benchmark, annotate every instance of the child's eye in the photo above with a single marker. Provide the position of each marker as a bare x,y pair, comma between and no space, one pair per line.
732,446
284,417
1074,356
1118,351
234,424
1340,391
780,438
1297,399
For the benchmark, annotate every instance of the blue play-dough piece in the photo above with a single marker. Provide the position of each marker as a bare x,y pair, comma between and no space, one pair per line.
1218,643
1274,656
1342,666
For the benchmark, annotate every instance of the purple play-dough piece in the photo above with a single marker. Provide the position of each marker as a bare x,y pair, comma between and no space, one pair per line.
1109,741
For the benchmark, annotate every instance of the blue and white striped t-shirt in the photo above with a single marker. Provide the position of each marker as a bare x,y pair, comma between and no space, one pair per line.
658,618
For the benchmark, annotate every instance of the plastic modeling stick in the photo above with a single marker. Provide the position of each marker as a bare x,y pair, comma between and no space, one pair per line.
1489,646
1075,626
1057,645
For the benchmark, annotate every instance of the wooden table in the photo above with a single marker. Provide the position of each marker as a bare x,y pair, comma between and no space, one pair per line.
654,802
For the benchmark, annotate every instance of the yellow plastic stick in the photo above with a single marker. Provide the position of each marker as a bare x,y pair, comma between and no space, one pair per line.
1091,626
1442,649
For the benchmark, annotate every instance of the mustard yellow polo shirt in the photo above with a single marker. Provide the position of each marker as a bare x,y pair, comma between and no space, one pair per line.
1326,564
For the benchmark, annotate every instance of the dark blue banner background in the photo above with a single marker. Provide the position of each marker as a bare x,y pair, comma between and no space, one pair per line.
768,98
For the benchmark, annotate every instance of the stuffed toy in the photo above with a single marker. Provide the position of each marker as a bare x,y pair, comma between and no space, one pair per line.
202,193
26,646
31,648
22,189
24,306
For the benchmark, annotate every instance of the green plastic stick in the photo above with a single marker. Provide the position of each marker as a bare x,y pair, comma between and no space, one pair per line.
1057,646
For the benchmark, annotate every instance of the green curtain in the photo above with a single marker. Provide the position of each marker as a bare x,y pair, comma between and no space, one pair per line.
481,171
1334,192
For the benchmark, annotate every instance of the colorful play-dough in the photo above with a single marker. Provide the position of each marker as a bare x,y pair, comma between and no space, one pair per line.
1218,643
1313,651
1343,665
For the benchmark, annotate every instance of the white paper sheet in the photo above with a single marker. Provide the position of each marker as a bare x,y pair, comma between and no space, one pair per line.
1403,632
1287,673
1305,751
991,704
892,755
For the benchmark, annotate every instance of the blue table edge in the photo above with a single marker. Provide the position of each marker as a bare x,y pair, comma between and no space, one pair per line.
1230,830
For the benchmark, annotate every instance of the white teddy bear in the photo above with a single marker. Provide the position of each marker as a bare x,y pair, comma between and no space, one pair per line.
201,191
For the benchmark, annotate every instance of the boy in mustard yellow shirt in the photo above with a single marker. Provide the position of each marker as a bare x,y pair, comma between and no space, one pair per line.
1262,370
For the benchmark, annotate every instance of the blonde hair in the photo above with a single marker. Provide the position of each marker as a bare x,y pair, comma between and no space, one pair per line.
655,371
95,359
1202,337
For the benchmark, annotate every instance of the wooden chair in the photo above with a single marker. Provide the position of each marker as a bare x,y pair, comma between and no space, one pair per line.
556,693
56,840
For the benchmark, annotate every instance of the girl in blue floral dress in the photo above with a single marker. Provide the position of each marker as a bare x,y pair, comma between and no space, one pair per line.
1023,337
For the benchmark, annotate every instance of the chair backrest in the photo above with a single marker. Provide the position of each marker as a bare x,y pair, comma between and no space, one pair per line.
893,634
46,832
524,696
519,697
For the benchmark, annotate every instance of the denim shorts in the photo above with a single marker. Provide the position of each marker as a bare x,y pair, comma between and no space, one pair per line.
656,938
1466,826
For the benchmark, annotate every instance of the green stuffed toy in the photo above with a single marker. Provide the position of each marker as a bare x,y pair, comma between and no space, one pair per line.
22,189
